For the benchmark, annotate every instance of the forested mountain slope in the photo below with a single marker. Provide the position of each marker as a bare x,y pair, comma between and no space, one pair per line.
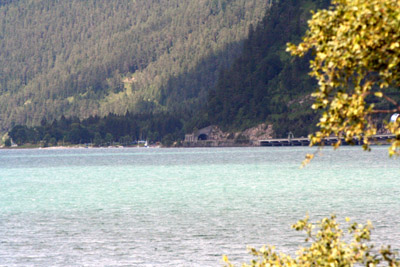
98,56
265,83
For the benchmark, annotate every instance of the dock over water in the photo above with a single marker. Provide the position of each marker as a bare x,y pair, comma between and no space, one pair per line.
304,141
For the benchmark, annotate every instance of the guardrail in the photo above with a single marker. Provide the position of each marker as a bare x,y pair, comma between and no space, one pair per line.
302,141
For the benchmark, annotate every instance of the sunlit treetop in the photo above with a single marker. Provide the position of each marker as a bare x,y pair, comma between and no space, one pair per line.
329,245
356,46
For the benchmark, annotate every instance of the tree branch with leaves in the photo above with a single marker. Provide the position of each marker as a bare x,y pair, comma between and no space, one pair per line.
330,246
356,46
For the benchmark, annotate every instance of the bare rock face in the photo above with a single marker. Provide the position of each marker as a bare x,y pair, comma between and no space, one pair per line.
217,134
259,132
214,136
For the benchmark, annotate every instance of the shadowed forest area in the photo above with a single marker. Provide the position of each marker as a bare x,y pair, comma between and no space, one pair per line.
83,58
232,84
125,129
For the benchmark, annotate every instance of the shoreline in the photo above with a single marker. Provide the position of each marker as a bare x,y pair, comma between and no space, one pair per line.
75,147
153,147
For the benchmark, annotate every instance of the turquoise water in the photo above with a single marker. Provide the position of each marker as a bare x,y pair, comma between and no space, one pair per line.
182,207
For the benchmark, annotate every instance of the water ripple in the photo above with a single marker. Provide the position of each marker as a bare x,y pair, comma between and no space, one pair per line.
182,207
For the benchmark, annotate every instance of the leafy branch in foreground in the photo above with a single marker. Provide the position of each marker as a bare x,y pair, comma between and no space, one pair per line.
356,47
329,247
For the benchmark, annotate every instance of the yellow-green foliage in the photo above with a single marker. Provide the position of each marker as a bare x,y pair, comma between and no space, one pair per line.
330,246
356,44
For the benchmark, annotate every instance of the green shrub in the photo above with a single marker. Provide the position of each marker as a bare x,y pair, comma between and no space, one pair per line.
7,142
330,246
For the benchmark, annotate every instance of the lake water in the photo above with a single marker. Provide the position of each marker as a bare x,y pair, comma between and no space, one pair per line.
183,207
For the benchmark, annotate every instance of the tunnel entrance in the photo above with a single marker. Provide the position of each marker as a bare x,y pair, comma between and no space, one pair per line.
202,137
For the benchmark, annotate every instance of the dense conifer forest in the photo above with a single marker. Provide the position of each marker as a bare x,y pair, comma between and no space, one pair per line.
83,58
124,129
264,82
235,85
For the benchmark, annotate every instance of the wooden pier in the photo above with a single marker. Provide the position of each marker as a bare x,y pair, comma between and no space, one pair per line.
304,141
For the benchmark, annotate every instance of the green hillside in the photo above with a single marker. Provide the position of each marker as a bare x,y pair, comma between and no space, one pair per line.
265,83
82,58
